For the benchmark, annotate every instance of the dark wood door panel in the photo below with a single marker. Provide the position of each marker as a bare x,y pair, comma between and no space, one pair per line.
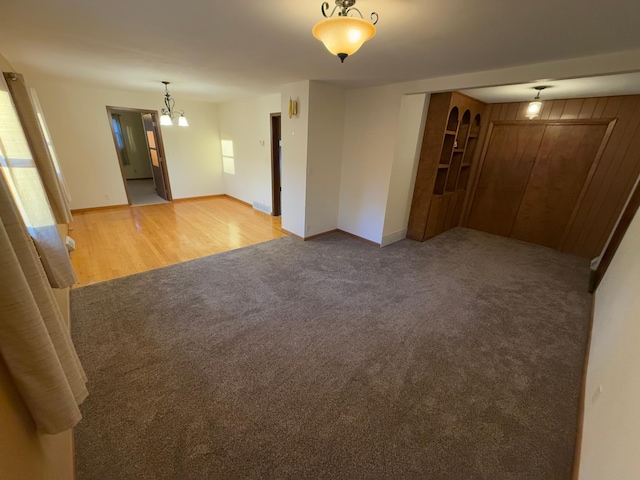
437,215
558,176
506,167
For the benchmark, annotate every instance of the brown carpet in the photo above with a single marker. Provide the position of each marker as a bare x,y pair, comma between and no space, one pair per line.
459,358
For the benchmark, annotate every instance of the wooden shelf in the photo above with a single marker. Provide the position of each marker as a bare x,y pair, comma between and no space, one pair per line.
441,181
443,176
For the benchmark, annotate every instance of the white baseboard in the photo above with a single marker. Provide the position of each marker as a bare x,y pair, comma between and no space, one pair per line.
393,237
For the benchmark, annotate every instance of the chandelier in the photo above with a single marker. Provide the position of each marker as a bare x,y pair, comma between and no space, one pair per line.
168,113
344,34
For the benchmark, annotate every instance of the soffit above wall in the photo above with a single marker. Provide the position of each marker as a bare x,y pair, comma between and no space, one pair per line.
602,86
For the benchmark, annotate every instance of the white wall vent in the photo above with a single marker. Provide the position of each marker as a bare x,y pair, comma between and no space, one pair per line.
263,207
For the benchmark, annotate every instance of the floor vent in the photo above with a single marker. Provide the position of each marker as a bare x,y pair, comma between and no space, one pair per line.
262,207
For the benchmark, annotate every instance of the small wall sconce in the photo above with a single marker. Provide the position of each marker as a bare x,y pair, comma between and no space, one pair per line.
293,107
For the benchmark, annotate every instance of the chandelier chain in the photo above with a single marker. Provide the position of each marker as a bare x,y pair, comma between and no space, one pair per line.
345,8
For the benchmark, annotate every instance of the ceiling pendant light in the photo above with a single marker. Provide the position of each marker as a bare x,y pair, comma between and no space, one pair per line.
168,113
533,110
344,35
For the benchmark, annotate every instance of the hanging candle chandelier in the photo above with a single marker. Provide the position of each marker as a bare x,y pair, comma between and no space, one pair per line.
168,113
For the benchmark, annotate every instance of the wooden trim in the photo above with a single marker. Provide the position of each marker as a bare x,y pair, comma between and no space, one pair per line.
478,173
95,209
318,235
476,167
74,466
178,200
545,124
573,121
133,110
575,471
329,232
276,179
587,182
110,113
292,234
241,201
201,197
141,178
616,238
163,165
370,242
156,124
457,92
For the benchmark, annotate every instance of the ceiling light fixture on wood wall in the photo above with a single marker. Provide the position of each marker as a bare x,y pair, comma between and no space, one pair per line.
167,114
344,35
533,110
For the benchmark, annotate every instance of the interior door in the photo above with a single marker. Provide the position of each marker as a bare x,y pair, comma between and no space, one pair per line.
157,162
532,178
506,167
276,163
562,164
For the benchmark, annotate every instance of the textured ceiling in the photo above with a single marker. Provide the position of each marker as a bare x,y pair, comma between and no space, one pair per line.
215,50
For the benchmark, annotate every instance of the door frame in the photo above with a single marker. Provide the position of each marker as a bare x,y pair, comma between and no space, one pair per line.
163,165
276,180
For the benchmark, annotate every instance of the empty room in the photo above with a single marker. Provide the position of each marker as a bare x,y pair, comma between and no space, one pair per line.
344,240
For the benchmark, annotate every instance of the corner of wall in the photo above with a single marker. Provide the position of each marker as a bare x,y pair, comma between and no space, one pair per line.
295,132
611,425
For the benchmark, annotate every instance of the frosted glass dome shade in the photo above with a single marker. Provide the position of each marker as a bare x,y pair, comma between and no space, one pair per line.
343,36
533,110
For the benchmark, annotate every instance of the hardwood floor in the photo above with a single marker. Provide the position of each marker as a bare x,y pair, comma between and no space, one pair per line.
126,240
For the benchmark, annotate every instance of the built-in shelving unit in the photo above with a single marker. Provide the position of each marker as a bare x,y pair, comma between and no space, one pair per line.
451,133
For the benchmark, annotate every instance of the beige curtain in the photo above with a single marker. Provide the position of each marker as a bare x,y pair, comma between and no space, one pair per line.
47,136
34,341
38,145
24,180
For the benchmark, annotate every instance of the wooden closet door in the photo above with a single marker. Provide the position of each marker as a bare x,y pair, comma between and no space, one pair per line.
559,173
506,167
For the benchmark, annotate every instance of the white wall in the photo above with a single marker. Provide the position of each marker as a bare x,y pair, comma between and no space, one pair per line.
135,145
611,430
372,121
294,157
5,66
409,133
324,158
247,123
79,125
370,128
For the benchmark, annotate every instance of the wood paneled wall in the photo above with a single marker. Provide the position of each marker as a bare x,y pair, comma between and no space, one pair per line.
616,173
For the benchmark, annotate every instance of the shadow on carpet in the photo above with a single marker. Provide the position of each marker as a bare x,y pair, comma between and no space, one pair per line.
457,358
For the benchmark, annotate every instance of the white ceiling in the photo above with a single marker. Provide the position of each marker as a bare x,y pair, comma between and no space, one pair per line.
623,84
220,50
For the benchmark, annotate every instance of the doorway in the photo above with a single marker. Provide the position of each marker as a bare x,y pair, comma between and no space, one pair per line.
276,163
140,155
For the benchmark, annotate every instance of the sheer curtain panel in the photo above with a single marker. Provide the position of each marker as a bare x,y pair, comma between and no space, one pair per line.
47,137
38,145
23,179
